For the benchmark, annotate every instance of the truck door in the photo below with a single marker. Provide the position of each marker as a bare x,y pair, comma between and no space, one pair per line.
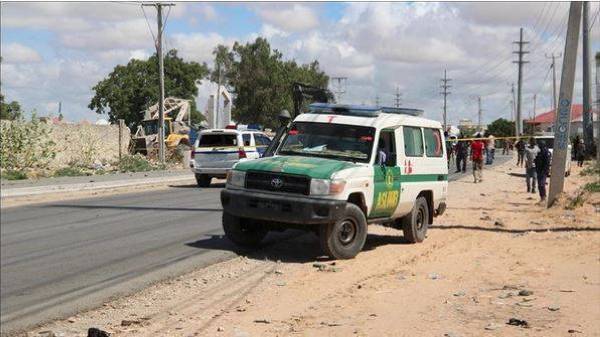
386,176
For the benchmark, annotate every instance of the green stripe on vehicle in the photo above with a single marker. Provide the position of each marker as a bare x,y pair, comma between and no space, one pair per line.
413,178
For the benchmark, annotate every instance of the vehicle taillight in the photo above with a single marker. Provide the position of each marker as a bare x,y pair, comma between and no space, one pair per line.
241,153
192,154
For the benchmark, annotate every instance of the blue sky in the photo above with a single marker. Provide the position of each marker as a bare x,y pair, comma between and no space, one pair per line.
57,51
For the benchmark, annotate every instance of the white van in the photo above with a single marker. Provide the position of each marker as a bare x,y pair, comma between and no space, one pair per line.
217,150
337,169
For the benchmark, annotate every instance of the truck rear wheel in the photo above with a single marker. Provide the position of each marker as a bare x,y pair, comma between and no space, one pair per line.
414,225
243,233
345,238
203,180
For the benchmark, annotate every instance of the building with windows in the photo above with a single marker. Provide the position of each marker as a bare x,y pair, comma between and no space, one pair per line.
545,122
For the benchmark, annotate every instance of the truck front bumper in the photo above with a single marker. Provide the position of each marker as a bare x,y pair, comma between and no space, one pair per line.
281,208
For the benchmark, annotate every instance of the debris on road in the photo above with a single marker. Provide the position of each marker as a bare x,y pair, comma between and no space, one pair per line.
127,322
95,332
493,326
518,322
554,308
525,292
263,321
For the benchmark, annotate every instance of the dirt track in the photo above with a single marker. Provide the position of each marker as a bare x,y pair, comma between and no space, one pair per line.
463,280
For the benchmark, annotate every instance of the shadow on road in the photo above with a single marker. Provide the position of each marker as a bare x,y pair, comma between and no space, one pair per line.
136,208
520,175
517,231
212,186
291,246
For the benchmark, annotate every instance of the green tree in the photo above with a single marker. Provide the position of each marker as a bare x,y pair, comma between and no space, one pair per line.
129,90
10,111
501,128
262,81
223,58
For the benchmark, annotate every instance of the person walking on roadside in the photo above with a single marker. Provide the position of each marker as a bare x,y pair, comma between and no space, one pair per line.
490,150
531,153
477,148
462,152
580,152
542,168
520,152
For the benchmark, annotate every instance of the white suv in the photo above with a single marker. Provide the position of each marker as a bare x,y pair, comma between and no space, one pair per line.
217,150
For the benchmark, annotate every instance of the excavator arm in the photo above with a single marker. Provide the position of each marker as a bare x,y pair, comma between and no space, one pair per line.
301,94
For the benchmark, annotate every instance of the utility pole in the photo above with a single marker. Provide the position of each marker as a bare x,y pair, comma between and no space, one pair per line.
587,121
161,79
534,114
479,112
553,66
562,121
340,87
377,100
598,107
398,99
445,86
514,109
218,95
520,62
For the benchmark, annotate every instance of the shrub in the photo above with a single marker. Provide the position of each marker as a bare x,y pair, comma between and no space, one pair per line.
14,175
138,163
25,145
593,187
71,171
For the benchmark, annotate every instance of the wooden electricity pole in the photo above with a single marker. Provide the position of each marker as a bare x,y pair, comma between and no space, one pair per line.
562,122
161,79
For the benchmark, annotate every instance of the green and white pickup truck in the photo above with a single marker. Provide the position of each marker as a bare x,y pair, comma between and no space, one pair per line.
338,169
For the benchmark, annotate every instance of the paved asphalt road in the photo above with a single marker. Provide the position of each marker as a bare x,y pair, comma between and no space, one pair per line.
61,257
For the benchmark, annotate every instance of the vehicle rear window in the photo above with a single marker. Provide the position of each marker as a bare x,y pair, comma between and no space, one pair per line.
218,140
413,142
433,143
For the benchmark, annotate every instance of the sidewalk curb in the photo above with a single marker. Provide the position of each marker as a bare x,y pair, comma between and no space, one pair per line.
39,190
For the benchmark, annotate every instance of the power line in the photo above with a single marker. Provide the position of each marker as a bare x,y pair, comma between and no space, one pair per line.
445,86
521,53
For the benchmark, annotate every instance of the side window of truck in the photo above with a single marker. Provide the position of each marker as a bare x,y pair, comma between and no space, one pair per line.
387,145
246,139
413,141
433,142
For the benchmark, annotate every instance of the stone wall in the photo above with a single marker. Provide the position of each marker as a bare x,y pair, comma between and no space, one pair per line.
85,145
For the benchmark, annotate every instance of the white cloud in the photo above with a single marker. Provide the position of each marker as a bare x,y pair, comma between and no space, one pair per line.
197,46
291,18
18,53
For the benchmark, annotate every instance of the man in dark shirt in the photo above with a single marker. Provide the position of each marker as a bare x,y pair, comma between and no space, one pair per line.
542,168
520,152
462,151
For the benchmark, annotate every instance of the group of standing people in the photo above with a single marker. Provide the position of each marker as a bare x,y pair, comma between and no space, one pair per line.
479,150
537,165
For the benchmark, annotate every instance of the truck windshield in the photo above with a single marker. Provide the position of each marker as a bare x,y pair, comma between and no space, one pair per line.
335,141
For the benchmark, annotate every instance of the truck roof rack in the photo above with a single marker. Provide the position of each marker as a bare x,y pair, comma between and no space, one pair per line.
359,110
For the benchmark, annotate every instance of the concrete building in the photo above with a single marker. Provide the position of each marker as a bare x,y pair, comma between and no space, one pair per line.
545,121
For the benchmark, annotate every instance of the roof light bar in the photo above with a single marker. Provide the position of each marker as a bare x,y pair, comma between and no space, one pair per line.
359,110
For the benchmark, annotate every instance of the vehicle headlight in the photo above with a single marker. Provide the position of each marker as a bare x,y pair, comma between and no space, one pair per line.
326,186
236,178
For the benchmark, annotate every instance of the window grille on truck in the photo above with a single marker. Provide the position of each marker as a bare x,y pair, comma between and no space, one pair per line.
278,182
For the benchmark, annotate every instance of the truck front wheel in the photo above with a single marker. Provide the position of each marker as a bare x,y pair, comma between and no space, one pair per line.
345,238
203,180
243,232
414,225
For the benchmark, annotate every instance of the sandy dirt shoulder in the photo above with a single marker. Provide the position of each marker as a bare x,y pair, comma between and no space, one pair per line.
494,256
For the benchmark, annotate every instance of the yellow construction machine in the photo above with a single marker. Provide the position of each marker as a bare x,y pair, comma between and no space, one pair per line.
177,128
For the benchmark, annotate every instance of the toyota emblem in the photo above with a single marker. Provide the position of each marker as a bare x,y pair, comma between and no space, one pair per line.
276,182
